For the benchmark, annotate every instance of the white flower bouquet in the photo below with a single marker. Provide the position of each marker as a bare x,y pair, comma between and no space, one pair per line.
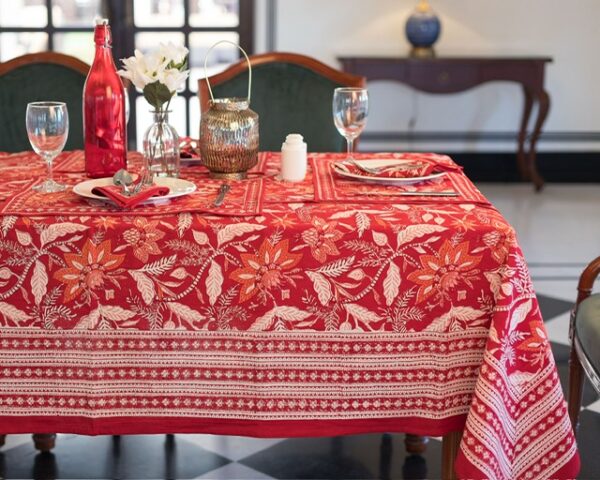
159,74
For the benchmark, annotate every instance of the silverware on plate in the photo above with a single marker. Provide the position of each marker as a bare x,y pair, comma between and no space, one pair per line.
401,165
122,178
223,189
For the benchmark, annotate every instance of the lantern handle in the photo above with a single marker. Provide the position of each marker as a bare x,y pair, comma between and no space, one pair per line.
247,59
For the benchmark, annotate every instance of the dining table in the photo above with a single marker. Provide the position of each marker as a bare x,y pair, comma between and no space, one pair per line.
325,307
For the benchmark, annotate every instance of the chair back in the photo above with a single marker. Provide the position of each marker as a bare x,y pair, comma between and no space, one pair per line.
291,93
584,333
39,77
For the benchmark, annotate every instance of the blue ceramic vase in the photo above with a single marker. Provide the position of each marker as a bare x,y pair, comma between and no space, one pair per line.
422,30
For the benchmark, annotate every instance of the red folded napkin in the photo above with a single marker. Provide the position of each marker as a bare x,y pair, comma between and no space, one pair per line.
411,169
124,201
189,148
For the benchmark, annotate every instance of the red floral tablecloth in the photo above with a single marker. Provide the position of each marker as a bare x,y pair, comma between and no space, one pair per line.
301,318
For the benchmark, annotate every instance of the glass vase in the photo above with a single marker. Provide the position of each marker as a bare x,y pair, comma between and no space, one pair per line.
161,147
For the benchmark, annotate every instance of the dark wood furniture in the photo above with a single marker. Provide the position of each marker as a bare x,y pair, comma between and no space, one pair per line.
53,58
455,74
579,364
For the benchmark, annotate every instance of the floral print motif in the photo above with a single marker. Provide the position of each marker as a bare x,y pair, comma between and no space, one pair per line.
143,238
265,270
444,271
321,238
87,272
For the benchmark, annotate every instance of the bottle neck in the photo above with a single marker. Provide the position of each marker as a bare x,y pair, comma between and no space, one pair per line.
103,41
102,36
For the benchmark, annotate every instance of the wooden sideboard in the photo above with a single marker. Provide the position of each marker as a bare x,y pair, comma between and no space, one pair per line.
456,74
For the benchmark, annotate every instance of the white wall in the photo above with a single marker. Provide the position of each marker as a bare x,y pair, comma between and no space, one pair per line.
562,29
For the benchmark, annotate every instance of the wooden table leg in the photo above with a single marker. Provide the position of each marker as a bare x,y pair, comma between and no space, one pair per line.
521,155
450,446
543,100
415,444
2,439
44,442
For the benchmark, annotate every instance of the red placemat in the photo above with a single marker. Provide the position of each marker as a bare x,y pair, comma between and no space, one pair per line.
244,199
332,187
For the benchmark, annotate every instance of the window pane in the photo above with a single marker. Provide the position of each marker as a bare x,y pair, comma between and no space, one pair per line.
214,13
144,118
16,44
158,13
23,13
74,13
194,117
77,44
220,57
148,41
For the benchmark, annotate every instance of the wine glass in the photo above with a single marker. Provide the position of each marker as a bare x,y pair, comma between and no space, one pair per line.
47,129
350,110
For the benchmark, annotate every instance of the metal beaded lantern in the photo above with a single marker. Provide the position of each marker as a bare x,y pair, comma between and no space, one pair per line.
229,132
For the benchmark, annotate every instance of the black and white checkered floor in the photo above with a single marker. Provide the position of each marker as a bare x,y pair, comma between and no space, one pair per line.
555,256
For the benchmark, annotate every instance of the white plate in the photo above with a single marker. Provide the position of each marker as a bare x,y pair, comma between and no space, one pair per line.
177,188
384,162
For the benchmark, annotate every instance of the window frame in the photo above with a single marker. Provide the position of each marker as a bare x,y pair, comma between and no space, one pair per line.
124,33
121,19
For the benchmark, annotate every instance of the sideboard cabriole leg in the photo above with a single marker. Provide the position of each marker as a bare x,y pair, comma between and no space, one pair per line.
44,442
521,151
450,446
2,439
415,444
544,106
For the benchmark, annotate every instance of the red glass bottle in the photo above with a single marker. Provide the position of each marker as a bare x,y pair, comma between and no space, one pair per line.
104,120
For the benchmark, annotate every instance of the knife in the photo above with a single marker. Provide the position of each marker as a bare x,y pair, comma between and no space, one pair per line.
223,189
444,193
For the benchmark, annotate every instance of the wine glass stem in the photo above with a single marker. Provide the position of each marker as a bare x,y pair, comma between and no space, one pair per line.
350,146
49,160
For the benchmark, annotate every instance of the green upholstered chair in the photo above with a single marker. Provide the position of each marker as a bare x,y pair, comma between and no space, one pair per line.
585,340
38,77
291,93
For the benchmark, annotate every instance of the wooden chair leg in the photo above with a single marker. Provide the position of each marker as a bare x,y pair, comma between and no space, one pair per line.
576,377
450,446
44,442
2,439
415,444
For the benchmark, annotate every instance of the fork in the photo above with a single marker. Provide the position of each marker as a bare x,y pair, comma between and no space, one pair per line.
383,168
142,182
